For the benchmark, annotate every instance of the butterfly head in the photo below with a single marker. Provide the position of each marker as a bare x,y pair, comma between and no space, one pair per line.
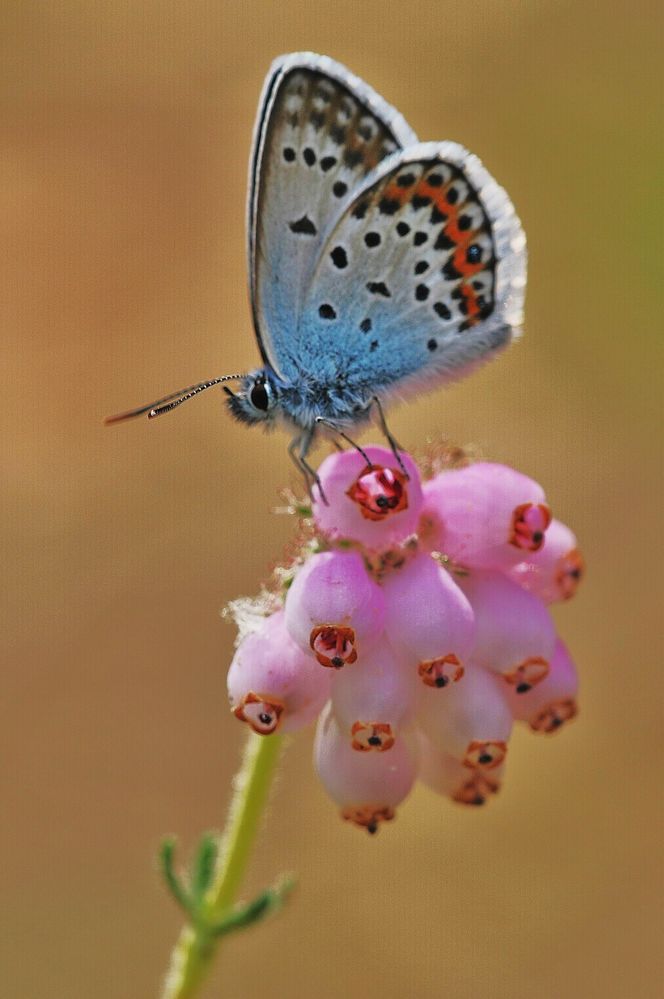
257,400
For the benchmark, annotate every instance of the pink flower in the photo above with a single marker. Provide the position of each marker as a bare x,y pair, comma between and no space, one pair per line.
375,506
554,572
514,632
486,515
417,632
333,607
272,683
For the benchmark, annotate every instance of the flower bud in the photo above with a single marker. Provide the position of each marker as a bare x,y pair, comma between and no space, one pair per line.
445,775
375,505
514,632
333,608
367,786
554,572
372,701
272,683
487,515
429,620
471,720
553,701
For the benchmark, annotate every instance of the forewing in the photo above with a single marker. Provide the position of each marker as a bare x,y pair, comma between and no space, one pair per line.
320,131
421,276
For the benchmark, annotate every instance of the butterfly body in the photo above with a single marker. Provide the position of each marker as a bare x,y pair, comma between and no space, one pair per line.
379,266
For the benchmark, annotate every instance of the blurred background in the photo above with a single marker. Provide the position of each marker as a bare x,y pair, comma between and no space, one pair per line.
125,137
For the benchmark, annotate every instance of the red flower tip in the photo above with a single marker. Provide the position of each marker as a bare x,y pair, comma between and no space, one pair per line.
441,671
379,492
333,645
528,674
529,524
262,715
571,568
554,716
368,736
368,816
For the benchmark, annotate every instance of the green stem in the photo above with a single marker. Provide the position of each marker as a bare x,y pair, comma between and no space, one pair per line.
196,946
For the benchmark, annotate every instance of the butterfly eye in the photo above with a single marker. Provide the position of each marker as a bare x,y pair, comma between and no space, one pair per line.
259,397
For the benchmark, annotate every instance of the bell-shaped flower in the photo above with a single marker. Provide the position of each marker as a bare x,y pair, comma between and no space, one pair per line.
333,608
366,786
272,683
429,619
554,572
514,632
446,775
470,720
553,701
374,505
485,516
375,698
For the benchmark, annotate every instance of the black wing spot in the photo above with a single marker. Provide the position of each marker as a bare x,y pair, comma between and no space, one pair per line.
373,345
406,180
419,201
317,119
444,242
452,196
419,238
437,216
434,180
325,95
421,293
421,267
365,132
450,272
388,206
338,134
379,288
442,310
309,156
326,311
327,163
339,257
303,227
293,119
372,239
465,222
403,228
289,154
339,189
352,158
365,325
432,344
360,209
474,254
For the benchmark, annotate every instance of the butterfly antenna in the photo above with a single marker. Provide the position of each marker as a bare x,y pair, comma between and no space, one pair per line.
172,401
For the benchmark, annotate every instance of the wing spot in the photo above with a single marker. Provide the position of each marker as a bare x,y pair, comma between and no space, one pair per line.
339,189
419,201
434,180
442,310
289,154
327,163
406,180
360,209
372,239
338,134
303,227
419,238
365,325
465,222
450,272
421,293
388,206
373,346
437,216
317,119
403,228
326,311
352,158
309,156
444,242
421,267
379,288
452,196
339,257
474,254
365,132
432,344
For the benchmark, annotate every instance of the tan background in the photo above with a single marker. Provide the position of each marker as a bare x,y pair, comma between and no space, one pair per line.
125,136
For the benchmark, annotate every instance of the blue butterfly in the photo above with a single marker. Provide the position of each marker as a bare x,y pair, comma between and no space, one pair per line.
378,265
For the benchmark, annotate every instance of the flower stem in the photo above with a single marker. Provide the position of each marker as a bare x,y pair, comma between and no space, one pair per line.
198,943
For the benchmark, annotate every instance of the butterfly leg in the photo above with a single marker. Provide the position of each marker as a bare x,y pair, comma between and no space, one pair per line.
310,474
331,426
395,447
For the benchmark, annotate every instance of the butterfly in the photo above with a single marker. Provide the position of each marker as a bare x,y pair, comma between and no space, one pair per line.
379,266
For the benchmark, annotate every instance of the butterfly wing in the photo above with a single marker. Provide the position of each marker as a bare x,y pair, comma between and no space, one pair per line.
421,276
320,131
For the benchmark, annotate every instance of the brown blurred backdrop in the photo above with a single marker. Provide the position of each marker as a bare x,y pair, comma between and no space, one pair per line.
125,137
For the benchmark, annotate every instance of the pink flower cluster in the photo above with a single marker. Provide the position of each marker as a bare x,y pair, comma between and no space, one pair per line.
416,630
